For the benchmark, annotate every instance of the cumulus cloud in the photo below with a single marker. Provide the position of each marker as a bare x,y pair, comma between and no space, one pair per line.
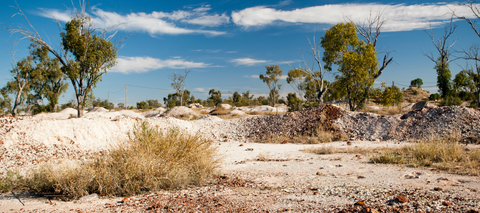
248,61
155,23
145,64
400,17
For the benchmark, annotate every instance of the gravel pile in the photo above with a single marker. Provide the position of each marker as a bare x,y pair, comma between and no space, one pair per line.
305,122
419,124
181,112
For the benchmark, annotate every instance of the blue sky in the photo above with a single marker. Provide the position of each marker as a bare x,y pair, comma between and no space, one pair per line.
227,43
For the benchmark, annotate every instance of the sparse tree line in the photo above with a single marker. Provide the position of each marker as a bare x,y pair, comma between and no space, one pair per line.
349,48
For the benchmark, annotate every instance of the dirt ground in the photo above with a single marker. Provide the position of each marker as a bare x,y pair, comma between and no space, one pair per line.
258,177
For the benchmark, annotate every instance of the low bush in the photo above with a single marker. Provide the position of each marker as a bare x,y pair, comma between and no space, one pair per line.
151,160
444,154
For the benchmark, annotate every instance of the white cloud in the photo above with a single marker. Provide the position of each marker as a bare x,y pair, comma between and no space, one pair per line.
199,89
248,61
251,76
145,64
210,20
155,23
400,17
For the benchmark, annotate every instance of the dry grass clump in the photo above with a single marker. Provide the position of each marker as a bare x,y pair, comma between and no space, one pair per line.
328,150
385,111
219,111
12,181
320,136
151,160
443,154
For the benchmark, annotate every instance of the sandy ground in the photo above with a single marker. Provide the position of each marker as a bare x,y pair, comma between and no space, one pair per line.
290,171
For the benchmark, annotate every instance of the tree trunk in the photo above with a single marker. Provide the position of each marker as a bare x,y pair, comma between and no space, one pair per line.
17,101
478,100
80,106
54,108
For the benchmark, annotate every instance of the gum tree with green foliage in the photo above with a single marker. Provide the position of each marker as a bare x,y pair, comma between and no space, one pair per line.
463,85
271,78
370,30
296,78
20,85
86,53
215,97
293,102
416,83
389,96
355,60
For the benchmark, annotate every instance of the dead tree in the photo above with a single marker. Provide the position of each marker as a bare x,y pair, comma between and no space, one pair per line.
179,83
441,61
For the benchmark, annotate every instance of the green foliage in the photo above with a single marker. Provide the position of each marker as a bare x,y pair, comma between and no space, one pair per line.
236,99
149,104
293,102
416,83
443,78
434,97
21,84
174,99
271,78
389,95
357,62
215,97
336,92
451,100
247,99
262,100
154,103
51,82
143,105
92,55
102,103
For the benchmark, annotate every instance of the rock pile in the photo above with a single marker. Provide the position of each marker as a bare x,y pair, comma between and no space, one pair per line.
305,122
424,123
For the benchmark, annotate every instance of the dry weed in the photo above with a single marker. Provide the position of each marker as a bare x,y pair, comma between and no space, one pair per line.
150,161
444,154
320,136
328,150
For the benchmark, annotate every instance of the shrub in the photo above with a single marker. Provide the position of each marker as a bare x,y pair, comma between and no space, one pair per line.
151,160
444,154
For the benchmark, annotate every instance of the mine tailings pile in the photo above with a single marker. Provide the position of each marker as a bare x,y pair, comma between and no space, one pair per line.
289,125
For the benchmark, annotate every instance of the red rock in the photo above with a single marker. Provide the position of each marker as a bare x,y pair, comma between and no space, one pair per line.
360,203
401,199
125,200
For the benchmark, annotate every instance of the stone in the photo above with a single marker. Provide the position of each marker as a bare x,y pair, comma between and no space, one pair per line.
360,203
401,199
419,105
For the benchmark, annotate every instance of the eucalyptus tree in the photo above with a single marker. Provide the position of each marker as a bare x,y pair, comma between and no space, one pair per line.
271,78
86,53
355,60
